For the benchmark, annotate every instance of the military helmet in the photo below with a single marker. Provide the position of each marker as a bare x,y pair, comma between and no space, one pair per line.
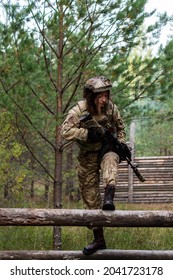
98,84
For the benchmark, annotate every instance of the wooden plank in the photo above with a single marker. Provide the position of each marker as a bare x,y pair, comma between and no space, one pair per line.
155,158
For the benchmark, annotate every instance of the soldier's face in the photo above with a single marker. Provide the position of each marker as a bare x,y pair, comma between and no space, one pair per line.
101,100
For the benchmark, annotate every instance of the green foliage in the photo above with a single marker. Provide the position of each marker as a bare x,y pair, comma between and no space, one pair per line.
153,134
153,138
48,50
12,172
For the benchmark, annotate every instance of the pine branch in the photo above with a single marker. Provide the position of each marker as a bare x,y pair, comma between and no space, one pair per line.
24,114
31,152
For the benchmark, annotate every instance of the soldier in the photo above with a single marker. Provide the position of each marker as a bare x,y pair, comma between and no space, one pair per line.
92,156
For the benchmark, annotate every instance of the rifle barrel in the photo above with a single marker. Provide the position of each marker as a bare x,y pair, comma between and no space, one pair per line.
136,171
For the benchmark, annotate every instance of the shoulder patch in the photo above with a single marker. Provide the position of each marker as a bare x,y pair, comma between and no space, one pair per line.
82,106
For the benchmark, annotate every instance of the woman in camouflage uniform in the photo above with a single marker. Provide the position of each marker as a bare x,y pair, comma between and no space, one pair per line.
90,141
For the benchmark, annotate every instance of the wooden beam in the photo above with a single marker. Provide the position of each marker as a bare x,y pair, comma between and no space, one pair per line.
73,217
78,255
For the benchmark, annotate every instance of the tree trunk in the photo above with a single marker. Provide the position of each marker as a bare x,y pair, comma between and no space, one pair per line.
58,139
69,179
6,190
32,189
46,193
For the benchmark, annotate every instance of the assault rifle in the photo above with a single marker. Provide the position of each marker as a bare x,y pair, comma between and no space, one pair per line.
110,143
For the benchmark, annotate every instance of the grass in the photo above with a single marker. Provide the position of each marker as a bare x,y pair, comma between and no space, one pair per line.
75,238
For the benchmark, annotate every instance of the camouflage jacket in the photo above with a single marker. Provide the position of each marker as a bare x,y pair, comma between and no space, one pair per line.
72,129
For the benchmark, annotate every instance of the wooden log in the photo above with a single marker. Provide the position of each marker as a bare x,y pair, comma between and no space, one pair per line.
155,158
73,217
78,255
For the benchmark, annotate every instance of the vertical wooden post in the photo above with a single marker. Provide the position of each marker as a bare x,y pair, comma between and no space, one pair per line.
130,171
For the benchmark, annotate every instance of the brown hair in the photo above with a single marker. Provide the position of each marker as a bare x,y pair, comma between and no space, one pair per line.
90,96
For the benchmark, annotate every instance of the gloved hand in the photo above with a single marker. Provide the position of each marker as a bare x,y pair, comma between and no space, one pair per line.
94,135
126,151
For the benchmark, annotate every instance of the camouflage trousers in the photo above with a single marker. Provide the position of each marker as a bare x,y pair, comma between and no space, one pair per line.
89,176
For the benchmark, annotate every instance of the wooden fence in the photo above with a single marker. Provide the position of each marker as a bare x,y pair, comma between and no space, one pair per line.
158,172
158,186
66,217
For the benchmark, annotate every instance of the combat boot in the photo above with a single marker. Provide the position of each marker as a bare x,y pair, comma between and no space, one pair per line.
108,203
97,244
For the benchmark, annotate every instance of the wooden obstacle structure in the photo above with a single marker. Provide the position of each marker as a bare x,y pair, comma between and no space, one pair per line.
158,186
69,217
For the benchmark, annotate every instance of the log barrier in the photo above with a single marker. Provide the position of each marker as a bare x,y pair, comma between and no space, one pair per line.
106,254
73,217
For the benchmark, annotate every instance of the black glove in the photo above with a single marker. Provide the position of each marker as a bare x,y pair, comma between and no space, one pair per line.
93,135
126,151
